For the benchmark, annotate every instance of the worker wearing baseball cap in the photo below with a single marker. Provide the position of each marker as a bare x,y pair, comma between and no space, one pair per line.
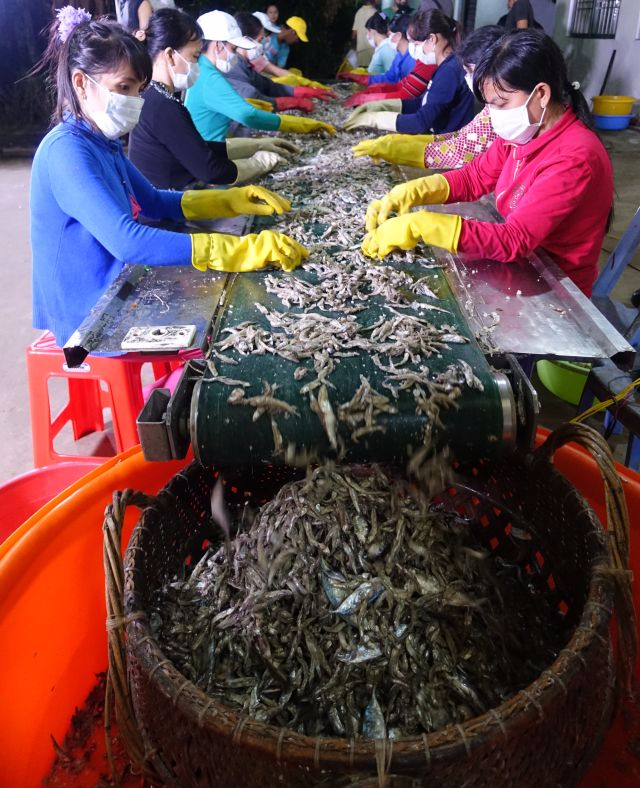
212,101
293,30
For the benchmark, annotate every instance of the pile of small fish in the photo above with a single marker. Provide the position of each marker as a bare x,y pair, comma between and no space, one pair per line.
353,607
327,316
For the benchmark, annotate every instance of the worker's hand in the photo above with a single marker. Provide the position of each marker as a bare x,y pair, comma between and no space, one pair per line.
281,146
231,253
265,106
212,203
295,79
296,125
385,105
354,76
385,121
432,190
404,149
363,97
404,232
262,162
244,147
291,102
317,93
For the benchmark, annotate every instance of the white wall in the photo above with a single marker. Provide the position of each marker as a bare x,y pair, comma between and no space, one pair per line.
587,58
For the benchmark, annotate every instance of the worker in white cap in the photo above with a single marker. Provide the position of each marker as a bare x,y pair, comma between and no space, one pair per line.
271,30
253,26
213,102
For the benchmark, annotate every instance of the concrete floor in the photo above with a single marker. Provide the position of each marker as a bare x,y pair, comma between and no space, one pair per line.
15,287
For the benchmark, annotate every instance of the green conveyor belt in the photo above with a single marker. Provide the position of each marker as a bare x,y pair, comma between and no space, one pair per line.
223,433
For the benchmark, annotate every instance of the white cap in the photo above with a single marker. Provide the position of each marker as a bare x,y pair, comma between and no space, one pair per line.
219,26
266,22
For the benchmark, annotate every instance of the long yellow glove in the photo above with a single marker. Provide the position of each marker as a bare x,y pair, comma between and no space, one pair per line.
296,125
245,253
385,121
213,203
294,79
405,149
404,232
265,106
432,190
386,105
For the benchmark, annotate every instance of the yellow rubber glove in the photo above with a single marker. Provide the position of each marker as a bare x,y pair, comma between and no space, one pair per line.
294,79
245,253
387,105
265,106
295,125
432,190
404,232
213,203
385,121
404,149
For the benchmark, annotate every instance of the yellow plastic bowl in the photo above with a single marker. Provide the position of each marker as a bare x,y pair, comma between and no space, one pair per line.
613,105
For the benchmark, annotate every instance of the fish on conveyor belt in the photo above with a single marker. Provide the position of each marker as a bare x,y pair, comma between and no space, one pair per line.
353,607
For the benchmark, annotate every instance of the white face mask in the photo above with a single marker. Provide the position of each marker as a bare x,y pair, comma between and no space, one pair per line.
225,66
468,78
514,124
417,53
256,52
121,114
371,42
393,43
184,81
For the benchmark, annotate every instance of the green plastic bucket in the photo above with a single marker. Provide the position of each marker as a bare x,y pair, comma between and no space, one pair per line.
565,379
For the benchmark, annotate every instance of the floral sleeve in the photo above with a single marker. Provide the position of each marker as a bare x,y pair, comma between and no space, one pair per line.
453,150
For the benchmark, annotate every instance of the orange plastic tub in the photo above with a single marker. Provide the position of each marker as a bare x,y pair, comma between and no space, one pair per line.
25,494
52,612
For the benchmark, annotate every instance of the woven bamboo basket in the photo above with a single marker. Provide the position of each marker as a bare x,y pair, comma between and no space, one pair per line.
547,734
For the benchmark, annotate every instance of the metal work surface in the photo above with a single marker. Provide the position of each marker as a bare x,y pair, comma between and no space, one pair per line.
529,307
152,296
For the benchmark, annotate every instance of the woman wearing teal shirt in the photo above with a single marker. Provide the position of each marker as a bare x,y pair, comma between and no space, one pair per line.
378,36
213,102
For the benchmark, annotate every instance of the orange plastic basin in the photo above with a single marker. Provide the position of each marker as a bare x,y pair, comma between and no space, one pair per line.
52,611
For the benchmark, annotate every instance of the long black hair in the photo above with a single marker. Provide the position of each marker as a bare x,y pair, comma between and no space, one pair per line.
428,23
170,27
522,59
94,47
400,23
379,22
249,24
477,43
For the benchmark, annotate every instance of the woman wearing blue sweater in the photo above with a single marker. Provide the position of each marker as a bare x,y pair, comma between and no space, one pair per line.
87,197
446,106
402,63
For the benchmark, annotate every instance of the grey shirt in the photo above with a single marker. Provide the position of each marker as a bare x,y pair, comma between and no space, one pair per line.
249,84
446,6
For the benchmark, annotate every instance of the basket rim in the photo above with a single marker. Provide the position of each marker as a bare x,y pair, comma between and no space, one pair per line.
525,706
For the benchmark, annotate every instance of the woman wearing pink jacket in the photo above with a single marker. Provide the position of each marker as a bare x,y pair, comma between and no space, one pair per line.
551,175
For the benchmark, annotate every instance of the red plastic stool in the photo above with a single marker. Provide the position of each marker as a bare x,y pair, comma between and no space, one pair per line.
121,393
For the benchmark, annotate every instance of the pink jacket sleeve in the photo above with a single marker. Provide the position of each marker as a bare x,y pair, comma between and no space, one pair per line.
457,148
548,200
